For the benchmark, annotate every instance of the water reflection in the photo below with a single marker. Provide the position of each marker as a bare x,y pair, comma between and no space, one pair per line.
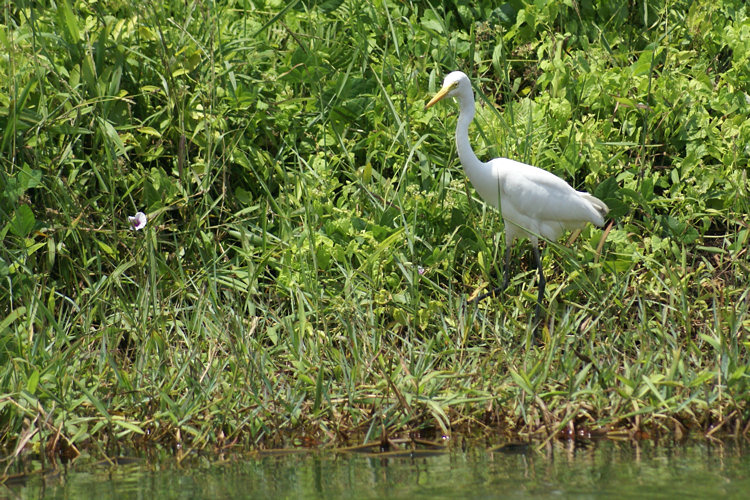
561,469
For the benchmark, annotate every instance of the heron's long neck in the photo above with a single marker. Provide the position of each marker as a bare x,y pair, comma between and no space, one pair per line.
468,159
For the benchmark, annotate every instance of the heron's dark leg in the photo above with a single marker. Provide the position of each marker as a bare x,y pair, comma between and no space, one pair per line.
542,284
507,265
505,280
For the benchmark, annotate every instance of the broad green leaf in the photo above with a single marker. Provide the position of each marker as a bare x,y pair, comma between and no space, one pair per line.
107,249
149,131
522,381
127,425
94,400
33,381
10,318
113,136
23,221
69,21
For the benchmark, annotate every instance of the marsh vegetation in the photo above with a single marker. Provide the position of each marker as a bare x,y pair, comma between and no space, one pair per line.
312,240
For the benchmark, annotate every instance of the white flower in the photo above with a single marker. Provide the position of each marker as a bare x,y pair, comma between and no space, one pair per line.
138,221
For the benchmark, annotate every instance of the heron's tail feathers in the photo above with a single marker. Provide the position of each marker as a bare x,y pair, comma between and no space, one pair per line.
596,203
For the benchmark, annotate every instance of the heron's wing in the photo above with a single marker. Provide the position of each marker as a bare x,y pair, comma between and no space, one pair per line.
533,194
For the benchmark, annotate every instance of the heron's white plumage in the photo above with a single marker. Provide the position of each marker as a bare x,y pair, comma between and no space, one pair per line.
532,201
535,201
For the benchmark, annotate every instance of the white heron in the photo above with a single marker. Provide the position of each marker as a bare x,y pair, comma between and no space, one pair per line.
532,201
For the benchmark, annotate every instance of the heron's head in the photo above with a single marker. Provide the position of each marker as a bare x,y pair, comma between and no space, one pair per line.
454,85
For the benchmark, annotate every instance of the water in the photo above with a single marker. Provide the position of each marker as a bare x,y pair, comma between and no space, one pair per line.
604,469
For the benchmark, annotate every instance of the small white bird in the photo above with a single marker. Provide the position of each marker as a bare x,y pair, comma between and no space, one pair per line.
533,202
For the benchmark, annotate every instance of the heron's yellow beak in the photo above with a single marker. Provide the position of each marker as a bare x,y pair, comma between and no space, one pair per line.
443,92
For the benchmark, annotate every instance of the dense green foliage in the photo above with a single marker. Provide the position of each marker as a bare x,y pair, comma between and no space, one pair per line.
312,239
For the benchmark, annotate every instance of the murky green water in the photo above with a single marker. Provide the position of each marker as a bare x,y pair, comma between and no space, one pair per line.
600,470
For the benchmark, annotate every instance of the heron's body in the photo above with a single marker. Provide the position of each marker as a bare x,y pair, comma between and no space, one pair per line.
532,201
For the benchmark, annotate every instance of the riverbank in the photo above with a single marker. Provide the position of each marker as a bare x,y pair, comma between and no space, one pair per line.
311,240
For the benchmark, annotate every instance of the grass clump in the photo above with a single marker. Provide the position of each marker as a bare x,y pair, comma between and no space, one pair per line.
312,238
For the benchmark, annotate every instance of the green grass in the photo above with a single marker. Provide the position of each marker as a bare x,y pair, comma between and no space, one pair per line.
295,187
